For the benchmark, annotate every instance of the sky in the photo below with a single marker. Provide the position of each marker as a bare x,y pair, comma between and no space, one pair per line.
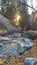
34,2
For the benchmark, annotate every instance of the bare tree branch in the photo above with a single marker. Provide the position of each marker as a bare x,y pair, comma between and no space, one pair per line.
25,4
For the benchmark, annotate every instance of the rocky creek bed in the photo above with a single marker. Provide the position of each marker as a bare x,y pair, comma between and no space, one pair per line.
11,57
31,54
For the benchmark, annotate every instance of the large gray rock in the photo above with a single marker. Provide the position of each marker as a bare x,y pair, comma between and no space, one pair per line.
7,24
30,61
31,34
27,63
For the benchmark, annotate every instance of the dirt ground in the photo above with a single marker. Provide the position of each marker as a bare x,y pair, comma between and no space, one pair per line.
31,53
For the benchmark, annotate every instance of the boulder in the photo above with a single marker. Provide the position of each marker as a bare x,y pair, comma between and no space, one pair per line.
6,24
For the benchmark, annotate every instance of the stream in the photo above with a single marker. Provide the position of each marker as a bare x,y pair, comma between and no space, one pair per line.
16,47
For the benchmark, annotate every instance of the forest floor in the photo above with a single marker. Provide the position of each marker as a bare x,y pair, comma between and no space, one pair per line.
32,53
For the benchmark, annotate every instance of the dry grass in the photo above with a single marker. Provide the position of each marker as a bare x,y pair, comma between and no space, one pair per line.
33,51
